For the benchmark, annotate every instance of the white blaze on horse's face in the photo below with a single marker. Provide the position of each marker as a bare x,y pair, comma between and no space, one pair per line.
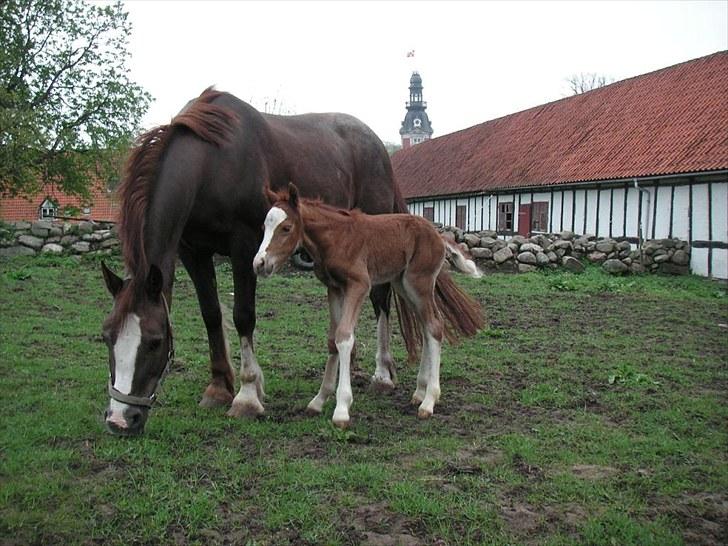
125,355
263,263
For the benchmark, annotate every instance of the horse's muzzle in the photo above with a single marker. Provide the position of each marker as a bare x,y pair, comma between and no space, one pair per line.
130,422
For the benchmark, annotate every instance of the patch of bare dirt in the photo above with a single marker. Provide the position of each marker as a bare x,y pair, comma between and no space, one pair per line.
377,525
704,517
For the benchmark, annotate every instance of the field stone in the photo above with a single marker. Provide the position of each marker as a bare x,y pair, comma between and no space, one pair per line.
526,268
19,226
41,228
33,242
542,258
488,233
615,267
471,240
596,257
553,258
566,235
572,264
681,257
81,247
52,248
518,240
531,247
502,255
661,258
479,253
527,258
86,227
488,242
605,246
68,240
513,247
13,251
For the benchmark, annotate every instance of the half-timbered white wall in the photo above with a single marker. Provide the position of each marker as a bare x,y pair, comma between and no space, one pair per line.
694,209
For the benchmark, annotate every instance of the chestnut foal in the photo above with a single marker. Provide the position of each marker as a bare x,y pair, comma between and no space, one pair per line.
352,252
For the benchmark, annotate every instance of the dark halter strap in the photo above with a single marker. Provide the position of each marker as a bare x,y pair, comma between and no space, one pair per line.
148,401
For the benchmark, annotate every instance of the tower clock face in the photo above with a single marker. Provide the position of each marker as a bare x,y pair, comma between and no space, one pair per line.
417,122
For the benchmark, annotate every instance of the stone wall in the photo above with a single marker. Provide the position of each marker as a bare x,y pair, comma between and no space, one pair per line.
569,251
518,254
44,236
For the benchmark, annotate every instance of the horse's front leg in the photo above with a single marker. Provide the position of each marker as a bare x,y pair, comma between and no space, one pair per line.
220,391
328,385
354,296
385,374
248,401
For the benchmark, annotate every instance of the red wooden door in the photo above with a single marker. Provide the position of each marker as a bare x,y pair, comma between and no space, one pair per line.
524,220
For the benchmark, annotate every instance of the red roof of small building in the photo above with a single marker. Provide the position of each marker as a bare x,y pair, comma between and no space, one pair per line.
103,206
671,121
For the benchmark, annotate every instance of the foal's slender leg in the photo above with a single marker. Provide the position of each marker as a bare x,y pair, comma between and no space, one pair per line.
328,385
420,292
248,400
353,298
385,374
202,272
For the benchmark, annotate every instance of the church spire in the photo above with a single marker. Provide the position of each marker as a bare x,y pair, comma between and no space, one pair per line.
416,126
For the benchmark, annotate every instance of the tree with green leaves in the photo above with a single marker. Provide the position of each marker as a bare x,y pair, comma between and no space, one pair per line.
68,108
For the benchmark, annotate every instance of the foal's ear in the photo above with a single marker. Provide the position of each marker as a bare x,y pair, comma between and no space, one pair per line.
114,283
153,284
292,195
271,196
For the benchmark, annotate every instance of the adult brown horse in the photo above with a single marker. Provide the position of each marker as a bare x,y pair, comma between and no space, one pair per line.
194,188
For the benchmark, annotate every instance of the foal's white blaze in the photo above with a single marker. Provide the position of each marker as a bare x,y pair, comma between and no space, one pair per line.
273,219
125,353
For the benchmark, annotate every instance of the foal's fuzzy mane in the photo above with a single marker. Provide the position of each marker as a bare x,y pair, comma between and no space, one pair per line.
210,122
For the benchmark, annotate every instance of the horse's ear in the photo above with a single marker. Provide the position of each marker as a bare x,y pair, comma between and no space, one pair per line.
292,195
271,196
153,284
114,283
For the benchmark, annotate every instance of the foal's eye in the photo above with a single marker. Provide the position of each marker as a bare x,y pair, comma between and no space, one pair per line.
286,229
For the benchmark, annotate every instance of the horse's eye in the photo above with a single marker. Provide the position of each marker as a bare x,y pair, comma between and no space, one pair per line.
286,229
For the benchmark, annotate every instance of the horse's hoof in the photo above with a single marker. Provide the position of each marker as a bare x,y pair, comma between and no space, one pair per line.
424,414
245,409
215,397
382,385
416,399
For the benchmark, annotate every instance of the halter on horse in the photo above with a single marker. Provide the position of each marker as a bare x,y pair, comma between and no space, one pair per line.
354,252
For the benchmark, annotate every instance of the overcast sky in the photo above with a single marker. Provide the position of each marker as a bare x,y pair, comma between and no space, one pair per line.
478,60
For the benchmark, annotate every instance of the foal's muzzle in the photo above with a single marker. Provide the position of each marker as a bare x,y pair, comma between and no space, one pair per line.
263,266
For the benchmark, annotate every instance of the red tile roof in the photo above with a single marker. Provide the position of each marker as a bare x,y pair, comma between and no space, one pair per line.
674,120
103,205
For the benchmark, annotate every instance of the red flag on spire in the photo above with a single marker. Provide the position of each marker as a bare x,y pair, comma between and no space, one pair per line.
411,53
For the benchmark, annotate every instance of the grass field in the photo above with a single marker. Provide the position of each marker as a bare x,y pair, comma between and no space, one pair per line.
592,410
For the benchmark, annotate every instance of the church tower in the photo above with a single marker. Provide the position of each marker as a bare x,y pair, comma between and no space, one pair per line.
416,126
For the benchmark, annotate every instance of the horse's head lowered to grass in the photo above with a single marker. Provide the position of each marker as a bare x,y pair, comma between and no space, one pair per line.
138,334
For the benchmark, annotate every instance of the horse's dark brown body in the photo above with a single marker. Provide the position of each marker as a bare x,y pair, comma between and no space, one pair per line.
195,188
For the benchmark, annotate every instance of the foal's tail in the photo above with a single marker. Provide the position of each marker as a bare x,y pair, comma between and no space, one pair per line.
462,316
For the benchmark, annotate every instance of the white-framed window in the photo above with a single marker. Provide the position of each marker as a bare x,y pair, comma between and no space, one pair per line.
48,209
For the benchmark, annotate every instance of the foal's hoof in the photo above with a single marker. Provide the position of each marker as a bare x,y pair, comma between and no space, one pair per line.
250,409
382,385
424,413
416,399
311,411
343,424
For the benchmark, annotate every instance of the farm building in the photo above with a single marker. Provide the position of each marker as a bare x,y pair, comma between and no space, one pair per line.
643,158
51,203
